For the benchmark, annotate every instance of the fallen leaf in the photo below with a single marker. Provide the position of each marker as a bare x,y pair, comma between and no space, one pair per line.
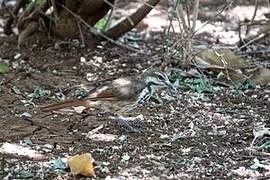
24,174
79,109
21,151
82,164
59,164
125,157
4,68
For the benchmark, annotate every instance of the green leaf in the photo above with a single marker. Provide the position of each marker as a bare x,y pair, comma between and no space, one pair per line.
3,68
39,92
33,3
265,145
59,164
256,165
16,90
183,2
201,85
101,24
237,93
247,85
261,133
24,174
175,76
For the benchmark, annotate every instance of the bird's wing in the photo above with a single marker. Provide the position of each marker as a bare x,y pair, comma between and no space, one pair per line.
121,89
118,89
65,104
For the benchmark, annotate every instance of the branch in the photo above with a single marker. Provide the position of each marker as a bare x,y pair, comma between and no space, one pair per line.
130,22
195,15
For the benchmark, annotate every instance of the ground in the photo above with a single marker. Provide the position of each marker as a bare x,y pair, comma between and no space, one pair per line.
191,135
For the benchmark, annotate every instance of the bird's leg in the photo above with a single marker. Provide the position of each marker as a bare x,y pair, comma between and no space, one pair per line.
126,123
156,99
123,122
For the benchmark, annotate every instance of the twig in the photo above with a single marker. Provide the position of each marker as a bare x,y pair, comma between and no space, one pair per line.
94,31
108,21
259,37
114,7
181,15
195,15
255,12
188,28
253,17
217,14
81,33
55,10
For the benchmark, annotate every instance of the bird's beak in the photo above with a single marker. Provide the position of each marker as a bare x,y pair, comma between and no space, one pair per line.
170,85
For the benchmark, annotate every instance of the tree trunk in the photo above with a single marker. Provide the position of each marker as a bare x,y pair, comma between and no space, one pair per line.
67,17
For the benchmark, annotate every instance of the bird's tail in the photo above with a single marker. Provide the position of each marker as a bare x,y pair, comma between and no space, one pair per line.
64,104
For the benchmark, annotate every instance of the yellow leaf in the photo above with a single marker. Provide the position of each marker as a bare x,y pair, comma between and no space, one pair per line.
82,164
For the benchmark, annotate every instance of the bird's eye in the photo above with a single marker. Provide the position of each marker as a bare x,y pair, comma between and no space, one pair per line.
160,77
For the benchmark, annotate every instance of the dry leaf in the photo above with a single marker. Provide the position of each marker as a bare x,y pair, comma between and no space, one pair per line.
82,164
79,109
19,150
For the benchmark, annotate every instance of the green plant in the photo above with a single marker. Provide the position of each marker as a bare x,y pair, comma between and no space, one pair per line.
33,3
4,68
101,24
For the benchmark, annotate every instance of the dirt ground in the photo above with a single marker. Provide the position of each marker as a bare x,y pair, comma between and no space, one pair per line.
191,136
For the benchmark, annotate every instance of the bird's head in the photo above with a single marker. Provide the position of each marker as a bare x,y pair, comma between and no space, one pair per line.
158,79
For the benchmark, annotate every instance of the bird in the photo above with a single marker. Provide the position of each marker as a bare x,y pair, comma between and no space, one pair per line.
120,95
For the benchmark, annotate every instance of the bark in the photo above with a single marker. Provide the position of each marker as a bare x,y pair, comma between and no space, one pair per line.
125,25
65,23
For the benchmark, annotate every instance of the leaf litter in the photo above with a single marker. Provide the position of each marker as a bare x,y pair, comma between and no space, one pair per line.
204,130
